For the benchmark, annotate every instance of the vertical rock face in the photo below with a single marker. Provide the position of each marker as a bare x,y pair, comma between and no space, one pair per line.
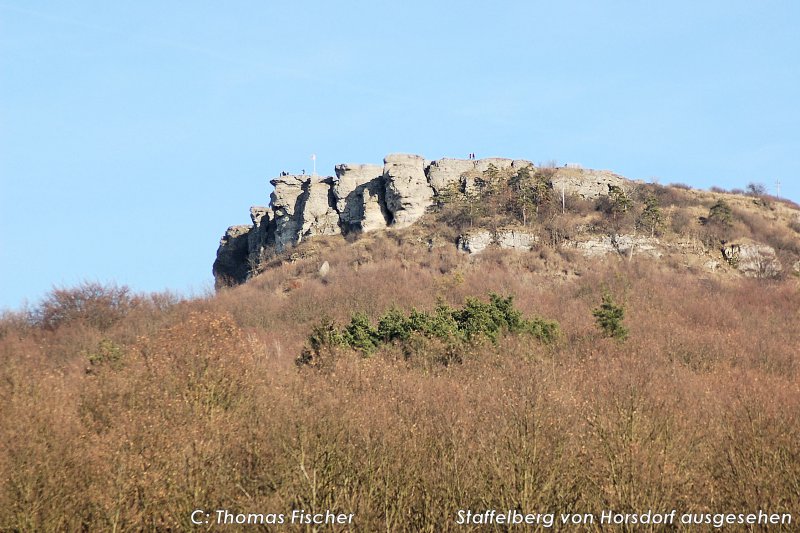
286,204
371,197
261,235
447,172
359,197
303,206
232,266
408,193
374,215
318,215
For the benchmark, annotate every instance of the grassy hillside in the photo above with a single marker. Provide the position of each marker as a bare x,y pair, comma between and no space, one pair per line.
126,412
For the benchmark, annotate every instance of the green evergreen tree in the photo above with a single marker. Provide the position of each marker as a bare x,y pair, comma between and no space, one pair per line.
619,201
651,216
530,191
721,213
609,317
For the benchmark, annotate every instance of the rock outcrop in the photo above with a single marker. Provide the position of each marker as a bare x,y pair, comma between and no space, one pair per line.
318,214
474,242
362,198
287,209
408,192
499,163
752,259
516,240
625,245
261,235
232,265
446,173
588,184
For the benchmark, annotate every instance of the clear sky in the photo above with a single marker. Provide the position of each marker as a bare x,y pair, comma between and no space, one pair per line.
133,133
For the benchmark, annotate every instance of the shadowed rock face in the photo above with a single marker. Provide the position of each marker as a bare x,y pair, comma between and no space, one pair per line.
262,233
408,192
362,198
232,266
445,173
318,215
285,202
359,193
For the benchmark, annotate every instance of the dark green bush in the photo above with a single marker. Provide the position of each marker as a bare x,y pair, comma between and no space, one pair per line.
720,213
360,335
448,326
609,318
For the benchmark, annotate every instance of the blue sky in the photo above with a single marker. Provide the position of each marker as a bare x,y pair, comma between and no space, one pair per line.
133,133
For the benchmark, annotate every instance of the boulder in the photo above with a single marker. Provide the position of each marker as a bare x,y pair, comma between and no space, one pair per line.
446,172
752,259
358,191
408,193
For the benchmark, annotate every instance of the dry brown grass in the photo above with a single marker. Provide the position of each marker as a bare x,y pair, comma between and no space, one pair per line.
198,404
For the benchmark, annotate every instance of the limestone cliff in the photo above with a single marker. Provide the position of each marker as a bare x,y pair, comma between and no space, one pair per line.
364,198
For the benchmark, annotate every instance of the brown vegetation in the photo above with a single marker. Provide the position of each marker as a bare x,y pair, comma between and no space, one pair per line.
131,423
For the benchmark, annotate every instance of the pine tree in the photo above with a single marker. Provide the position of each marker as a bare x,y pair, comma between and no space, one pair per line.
609,317
721,213
651,216
619,201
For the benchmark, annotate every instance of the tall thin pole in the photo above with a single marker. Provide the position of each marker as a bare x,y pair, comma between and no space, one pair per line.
563,202
314,159
777,187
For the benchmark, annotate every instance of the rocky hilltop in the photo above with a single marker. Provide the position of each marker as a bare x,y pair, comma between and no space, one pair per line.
363,198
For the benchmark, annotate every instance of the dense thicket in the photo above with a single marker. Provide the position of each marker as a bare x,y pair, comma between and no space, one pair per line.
449,327
178,405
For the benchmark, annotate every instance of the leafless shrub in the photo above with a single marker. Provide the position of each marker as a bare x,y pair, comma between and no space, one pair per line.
204,406
94,304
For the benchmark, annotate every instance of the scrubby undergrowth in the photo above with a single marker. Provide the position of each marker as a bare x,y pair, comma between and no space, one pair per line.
445,333
133,422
